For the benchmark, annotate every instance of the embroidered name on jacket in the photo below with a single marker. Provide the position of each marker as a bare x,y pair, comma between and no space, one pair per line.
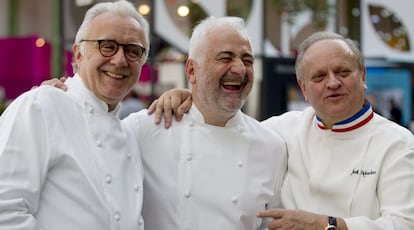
363,172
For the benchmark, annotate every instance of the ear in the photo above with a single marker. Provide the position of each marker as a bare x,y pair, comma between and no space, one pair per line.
364,78
190,66
302,88
76,52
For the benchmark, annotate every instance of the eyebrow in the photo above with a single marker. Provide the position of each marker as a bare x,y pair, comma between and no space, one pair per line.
230,53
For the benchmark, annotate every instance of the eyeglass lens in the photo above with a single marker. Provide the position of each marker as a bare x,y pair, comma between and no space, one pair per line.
108,48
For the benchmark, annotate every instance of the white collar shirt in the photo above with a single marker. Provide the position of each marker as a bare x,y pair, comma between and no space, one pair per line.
363,172
204,177
66,163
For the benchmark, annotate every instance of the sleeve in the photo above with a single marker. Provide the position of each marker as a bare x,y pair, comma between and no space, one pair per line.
280,151
394,189
23,162
279,174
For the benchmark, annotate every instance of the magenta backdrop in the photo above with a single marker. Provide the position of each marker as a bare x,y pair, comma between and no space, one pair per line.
23,64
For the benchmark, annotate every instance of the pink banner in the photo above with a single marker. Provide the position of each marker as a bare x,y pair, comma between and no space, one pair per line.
24,62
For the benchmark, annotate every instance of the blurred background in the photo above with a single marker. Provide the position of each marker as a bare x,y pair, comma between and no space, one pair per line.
36,40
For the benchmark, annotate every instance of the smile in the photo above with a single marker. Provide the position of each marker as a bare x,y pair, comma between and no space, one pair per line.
231,85
113,75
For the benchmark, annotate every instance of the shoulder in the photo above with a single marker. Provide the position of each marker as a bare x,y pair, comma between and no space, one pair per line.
138,117
40,97
262,132
390,131
290,118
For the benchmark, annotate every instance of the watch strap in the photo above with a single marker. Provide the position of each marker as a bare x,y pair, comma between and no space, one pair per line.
331,223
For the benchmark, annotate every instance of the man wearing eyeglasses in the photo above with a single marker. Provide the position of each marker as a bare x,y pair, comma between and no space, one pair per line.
66,161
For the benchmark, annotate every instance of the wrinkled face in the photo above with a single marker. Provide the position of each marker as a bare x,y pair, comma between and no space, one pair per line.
223,77
110,78
332,81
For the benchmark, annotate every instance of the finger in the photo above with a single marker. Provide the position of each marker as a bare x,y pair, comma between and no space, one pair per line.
275,224
274,213
167,108
55,83
185,106
60,85
159,110
63,79
49,82
175,105
152,107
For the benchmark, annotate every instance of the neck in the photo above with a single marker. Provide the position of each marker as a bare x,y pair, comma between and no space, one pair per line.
214,117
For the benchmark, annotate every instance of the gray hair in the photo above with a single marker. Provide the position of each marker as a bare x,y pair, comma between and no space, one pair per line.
326,35
205,26
122,8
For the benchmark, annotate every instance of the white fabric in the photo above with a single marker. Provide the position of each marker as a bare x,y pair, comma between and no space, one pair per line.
204,177
130,105
365,175
66,163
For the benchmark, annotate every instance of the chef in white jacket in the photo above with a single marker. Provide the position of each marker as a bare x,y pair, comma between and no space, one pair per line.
350,166
218,167
66,160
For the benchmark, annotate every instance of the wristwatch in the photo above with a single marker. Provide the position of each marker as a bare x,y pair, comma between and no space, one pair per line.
331,223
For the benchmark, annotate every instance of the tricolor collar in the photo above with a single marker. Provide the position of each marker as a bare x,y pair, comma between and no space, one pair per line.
354,122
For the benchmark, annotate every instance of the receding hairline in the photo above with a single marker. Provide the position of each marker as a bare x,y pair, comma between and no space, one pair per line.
212,24
325,36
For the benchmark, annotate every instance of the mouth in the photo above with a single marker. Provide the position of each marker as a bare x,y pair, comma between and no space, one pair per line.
335,96
114,75
232,85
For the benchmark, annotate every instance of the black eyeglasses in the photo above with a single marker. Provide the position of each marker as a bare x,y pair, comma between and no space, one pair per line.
109,48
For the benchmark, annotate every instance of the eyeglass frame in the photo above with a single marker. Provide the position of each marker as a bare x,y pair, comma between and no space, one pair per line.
100,41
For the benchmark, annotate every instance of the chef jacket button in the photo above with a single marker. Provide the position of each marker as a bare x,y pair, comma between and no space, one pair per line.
99,143
191,123
140,221
117,216
136,188
108,179
89,109
234,199
189,157
187,194
129,155
240,164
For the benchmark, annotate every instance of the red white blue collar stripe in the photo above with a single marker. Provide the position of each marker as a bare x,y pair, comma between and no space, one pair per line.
352,123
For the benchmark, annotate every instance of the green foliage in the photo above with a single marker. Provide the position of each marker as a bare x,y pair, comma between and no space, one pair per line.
321,9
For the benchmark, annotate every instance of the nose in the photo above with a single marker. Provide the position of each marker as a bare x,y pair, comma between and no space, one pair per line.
119,58
238,68
333,81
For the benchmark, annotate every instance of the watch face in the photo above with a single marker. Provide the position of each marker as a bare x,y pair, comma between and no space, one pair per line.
332,222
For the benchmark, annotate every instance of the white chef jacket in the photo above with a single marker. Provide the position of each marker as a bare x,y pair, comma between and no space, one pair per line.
66,163
361,170
199,176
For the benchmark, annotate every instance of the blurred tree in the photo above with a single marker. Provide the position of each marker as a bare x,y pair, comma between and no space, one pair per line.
321,10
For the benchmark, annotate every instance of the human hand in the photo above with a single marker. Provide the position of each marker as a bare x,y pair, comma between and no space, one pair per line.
289,219
174,101
57,83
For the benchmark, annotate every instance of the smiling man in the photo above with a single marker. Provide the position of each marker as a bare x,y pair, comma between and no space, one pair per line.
218,167
66,161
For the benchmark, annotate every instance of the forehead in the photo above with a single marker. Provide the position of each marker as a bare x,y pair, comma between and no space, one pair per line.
113,26
224,38
328,52
327,47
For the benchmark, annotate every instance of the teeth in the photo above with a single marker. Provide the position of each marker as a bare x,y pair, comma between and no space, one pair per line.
232,83
115,75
